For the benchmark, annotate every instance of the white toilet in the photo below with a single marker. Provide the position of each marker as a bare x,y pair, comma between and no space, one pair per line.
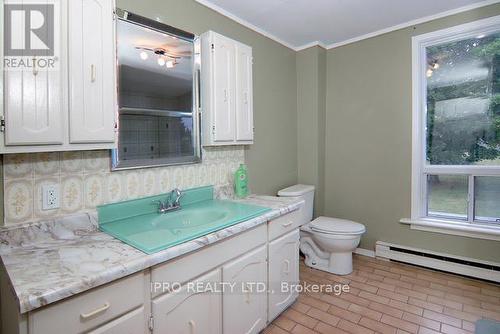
327,243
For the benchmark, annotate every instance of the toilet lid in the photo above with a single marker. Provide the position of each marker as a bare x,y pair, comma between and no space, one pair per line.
336,226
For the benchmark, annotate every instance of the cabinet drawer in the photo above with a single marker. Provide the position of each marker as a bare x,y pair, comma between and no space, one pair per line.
284,224
131,323
90,309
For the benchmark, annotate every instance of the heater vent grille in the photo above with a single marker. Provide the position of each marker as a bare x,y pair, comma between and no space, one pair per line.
485,270
446,258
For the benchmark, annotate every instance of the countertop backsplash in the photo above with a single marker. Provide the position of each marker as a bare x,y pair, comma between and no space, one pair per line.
85,180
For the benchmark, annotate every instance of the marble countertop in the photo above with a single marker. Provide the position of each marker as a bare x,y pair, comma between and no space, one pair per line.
53,260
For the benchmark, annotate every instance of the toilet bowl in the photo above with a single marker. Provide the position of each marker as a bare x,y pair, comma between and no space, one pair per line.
327,243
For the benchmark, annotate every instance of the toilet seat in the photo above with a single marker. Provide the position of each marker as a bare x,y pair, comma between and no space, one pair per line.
329,225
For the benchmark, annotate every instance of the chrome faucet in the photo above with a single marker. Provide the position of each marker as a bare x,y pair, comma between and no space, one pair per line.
175,197
172,203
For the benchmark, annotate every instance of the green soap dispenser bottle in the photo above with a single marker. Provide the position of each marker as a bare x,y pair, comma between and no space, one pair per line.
241,181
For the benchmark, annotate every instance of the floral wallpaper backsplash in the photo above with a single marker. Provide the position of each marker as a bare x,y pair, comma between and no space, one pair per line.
85,180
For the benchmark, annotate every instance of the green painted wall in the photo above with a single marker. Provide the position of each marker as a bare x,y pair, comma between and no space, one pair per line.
368,139
311,113
272,160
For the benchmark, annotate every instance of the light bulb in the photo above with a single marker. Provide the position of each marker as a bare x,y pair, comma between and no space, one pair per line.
480,36
161,61
435,66
143,55
428,73
170,64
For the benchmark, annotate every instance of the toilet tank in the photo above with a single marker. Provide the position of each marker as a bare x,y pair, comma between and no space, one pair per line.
306,192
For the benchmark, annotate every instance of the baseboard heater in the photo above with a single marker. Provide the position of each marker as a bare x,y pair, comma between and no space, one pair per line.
439,261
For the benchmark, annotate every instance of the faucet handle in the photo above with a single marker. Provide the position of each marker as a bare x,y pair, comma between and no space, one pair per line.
160,204
175,196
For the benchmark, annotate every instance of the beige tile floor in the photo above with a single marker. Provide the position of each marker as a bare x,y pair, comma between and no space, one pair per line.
392,298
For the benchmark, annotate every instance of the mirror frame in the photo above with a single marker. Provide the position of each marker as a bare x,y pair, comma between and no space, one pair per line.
129,17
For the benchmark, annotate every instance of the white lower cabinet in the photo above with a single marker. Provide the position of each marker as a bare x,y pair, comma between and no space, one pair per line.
283,272
244,299
254,263
189,311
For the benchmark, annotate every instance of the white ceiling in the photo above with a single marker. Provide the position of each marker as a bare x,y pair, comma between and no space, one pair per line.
299,24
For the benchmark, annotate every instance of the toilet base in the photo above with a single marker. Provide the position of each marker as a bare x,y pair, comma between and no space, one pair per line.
338,264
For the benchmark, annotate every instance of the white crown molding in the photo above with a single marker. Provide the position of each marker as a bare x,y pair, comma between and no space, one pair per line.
414,22
310,45
245,23
407,24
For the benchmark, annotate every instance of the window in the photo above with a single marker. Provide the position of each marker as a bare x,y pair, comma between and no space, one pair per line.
456,126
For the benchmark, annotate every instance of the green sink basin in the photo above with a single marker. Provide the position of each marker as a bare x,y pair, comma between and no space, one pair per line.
152,232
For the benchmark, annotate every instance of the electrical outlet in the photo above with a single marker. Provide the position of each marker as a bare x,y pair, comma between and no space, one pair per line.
50,197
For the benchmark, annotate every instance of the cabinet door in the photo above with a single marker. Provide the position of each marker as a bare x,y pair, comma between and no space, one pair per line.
91,71
283,267
244,93
34,96
244,306
223,127
189,311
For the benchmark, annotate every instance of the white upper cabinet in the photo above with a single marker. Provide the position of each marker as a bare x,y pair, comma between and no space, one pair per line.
91,70
226,91
34,96
244,93
72,105
223,89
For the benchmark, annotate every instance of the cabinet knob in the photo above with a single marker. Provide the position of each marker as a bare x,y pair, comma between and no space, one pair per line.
92,73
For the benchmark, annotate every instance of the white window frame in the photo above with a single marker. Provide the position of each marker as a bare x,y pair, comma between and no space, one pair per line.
420,169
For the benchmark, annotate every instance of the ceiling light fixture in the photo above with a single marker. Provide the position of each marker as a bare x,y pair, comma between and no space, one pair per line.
161,61
143,55
170,63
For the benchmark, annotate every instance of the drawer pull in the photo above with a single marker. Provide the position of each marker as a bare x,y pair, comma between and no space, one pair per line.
92,73
35,69
192,326
287,224
287,267
247,294
96,311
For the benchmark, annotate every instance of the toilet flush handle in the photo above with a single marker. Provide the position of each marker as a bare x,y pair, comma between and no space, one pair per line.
287,224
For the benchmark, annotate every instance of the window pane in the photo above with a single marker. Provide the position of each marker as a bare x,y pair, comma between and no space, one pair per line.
487,198
463,102
447,196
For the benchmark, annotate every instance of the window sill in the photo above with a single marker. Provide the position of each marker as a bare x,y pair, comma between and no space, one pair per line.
454,228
